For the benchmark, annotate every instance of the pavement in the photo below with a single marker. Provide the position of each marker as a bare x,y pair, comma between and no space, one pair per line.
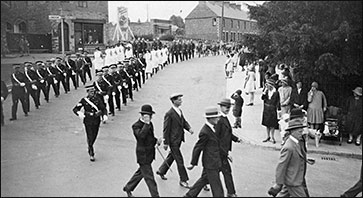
253,132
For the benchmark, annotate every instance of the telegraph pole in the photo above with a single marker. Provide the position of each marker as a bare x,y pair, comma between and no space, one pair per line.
222,21
62,31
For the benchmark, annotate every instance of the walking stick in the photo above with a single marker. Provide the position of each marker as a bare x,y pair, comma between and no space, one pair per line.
162,156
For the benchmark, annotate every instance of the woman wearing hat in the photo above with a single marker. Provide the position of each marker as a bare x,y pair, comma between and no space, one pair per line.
271,103
250,83
316,107
354,116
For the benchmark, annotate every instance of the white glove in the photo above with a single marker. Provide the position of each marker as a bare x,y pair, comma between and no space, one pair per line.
81,114
34,87
105,118
64,74
114,93
136,74
22,84
55,81
2,99
106,97
41,81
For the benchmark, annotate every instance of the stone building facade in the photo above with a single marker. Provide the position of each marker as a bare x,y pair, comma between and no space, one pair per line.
205,21
84,22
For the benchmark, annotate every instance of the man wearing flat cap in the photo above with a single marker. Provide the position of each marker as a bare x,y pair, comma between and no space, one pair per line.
291,168
94,109
173,133
18,91
225,135
208,142
143,130
32,86
42,80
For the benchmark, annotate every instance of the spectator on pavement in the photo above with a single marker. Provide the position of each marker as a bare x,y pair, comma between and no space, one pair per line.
250,84
285,92
353,111
271,103
4,95
237,108
316,108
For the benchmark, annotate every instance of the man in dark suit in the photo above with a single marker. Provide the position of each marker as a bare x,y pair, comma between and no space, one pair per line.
143,130
94,108
18,91
208,142
52,77
62,74
173,132
291,169
224,133
71,71
299,97
4,95
87,66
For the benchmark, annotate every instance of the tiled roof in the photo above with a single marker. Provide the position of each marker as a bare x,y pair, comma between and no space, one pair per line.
214,8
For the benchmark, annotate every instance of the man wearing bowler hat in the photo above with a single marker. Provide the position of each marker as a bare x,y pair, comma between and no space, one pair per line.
94,108
224,133
173,132
291,169
208,142
143,130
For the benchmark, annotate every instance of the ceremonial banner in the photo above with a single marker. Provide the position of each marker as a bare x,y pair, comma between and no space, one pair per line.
123,17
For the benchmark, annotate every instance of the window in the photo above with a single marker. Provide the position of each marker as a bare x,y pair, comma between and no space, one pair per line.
238,24
231,23
224,23
245,25
88,33
9,27
214,21
82,4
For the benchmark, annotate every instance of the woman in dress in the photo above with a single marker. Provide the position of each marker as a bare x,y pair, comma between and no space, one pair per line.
228,66
250,83
271,103
316,107
354,116
149,66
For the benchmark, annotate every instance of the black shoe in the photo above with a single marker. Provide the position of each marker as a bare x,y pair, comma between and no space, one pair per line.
206,188
92,159
129,194
357,142
232,195
273,141
268,139
11,119
37,107
184,184
162,176
350,141
26,114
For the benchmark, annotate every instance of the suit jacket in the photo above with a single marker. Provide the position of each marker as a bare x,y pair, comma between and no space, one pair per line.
224,133
291,167
17,89
208,142
238,103
174,126
144,134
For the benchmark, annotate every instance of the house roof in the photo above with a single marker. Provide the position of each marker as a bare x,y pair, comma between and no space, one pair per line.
214,9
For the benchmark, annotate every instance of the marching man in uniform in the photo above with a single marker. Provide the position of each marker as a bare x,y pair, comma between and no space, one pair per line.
18,91
94,108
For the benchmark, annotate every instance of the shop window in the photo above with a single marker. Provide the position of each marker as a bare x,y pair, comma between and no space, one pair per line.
238,24
231,23
88,33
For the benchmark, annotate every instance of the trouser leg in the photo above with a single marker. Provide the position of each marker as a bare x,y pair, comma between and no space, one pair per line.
91,132
163,169
14,107
215,182
227,174
147,172
178,157
198,185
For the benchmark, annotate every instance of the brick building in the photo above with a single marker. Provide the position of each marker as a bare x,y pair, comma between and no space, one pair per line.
84,24
205,22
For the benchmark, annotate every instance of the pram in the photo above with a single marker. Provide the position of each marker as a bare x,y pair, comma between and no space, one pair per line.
333,125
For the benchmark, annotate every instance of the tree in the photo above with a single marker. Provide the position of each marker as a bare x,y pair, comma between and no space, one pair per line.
321,40
178,21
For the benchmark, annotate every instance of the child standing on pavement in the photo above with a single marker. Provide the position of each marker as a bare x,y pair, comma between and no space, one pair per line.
237,108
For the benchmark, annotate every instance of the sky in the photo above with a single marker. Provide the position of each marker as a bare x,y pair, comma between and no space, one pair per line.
157,9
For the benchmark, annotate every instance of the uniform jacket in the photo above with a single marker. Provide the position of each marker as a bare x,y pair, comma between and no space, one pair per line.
33,78
102,87
43,75
92,116
71,65
224,133
52,75
144,134
208,142
291,167
174,126
17,89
